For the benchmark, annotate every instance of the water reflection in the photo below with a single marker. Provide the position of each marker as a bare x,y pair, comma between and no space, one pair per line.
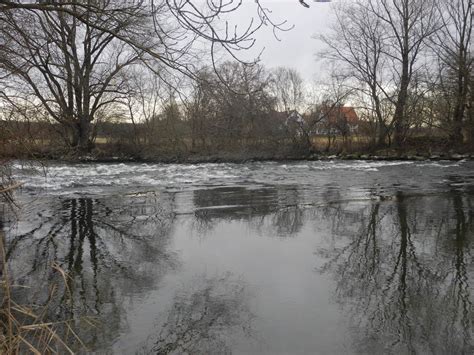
401,265
110,248
405,275
274,210
205,316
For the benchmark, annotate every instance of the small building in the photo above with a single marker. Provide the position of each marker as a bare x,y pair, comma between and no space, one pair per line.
337,121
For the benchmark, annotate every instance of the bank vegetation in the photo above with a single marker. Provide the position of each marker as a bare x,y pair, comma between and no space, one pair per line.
161,80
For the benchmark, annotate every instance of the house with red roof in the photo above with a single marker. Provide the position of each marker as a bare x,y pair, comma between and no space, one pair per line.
342,120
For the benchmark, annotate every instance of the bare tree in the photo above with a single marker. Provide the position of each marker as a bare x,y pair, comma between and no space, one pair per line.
201,111
287,86
72,54
381,41
324,105
185,22
243,104
357,41
145,104
408,25
72,69
453,45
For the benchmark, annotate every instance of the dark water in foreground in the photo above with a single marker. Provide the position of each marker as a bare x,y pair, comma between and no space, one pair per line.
263,258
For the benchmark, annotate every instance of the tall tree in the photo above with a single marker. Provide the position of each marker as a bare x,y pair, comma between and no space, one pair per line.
287,86
73,69
408,25
381,42
357,41
72,54
453,45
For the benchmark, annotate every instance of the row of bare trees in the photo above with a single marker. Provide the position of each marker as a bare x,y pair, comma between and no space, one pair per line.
235,108
71,62
410,61
405,65
69,82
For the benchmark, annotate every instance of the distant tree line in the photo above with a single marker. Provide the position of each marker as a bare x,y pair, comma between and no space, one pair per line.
234,108
143,78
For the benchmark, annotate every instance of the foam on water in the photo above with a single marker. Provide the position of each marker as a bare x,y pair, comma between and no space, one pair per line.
59,178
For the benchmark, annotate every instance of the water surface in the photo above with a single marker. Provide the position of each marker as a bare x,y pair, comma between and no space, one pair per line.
261,258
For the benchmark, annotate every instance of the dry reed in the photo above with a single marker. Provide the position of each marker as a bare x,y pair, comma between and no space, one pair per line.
24,328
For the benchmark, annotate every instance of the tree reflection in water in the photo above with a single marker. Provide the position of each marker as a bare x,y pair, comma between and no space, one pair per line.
405,276
110,247
272,210
205,316
402,265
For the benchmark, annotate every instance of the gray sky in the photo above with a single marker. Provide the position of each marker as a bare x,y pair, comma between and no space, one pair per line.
297,48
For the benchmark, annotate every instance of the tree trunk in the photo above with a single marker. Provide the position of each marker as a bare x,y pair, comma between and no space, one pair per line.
81,140
381,128
381,134
399,115
456,136
470,130
399,118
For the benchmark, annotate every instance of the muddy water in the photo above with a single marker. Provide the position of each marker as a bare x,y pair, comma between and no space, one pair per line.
262,258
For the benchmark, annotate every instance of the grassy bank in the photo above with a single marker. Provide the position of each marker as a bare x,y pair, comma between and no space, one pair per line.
238,151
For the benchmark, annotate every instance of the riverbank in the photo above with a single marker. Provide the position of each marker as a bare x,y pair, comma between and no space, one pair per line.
245,159
246,156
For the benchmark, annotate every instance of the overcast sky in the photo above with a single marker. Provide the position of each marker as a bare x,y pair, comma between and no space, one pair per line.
297,48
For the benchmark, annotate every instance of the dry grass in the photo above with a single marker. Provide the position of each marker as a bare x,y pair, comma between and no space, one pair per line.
24,329
7,184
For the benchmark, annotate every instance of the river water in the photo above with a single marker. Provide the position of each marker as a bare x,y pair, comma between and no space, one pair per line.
360,257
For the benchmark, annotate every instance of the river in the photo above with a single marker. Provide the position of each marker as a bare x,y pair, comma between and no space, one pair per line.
333,257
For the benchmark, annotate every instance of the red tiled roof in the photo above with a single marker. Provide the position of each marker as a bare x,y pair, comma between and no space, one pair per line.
350,114
347,113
